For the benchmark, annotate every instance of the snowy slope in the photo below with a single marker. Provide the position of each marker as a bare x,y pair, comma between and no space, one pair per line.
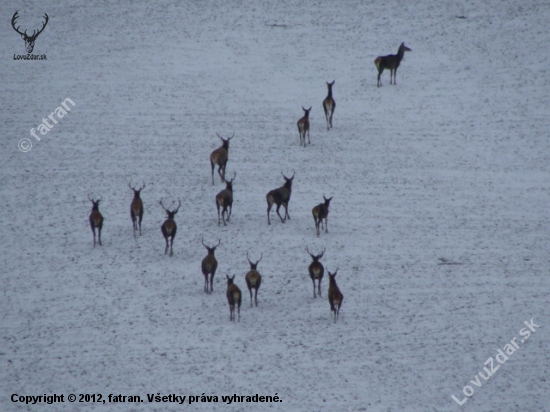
439,223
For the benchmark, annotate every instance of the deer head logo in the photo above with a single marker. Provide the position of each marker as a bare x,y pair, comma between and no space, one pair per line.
29,40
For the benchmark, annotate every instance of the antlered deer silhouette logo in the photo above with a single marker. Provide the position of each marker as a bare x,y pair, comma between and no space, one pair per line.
29,40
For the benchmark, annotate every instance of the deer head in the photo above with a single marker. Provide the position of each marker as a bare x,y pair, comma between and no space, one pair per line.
29,40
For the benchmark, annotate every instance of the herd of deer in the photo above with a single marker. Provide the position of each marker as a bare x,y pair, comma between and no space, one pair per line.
279,197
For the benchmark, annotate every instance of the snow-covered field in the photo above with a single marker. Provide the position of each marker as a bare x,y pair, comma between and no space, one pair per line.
439,225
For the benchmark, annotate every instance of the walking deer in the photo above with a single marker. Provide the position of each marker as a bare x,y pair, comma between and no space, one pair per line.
169,227
136,208
391,62
209,266
219,157
303,127
320,212
253,279
224,200
234,298
335,297
280,196
316,270
96,219
329,105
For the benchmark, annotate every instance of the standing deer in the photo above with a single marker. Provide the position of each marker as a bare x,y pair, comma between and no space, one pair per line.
29,40
209,266
169,227
280,196
96,219
136,208
219,157
224,200
303,127
391,62
320,212
329,105
234,297
253,279
335,297
316,270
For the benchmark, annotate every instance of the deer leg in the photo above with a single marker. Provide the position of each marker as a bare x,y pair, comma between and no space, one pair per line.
140,219
308,138
166,248
326,225
230,207
218,207
313,281
269,205
93,231
213,166
319,288
256,296
277,210
287,216
99,235
205,288
250,291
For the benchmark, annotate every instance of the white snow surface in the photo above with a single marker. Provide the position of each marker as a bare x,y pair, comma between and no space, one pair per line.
439,225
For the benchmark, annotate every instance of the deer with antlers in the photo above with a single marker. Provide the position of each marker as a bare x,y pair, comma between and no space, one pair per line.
29,40
303,127
96,219
234,297
169,227
316,270
253,279
329,105
136,208
391,62
280,196
319,213
335,297
209,266
219,157
224,200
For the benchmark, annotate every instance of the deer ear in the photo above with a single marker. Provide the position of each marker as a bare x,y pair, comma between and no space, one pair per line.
23,36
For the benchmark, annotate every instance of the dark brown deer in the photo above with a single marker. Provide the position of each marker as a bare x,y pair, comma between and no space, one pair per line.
253,279
96,219
29,40
280,196
320,212
234,297
224,200
209,266
136,208
303,127
391,62
335,297
316,270
329,105
169,227
219,157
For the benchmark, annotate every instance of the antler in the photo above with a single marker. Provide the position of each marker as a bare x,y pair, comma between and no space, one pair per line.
229,138
42,29
178,208
322,253
254,264
310,254
289,178
141,188
15,16
160,203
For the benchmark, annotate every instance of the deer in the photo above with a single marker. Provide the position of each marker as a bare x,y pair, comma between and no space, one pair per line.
209,266
329,105
391,62
335,297
253,279
219,157
96,219
169,227
319,213
136,208
303,127
29,40
224,200
316,270
234,297
280,196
